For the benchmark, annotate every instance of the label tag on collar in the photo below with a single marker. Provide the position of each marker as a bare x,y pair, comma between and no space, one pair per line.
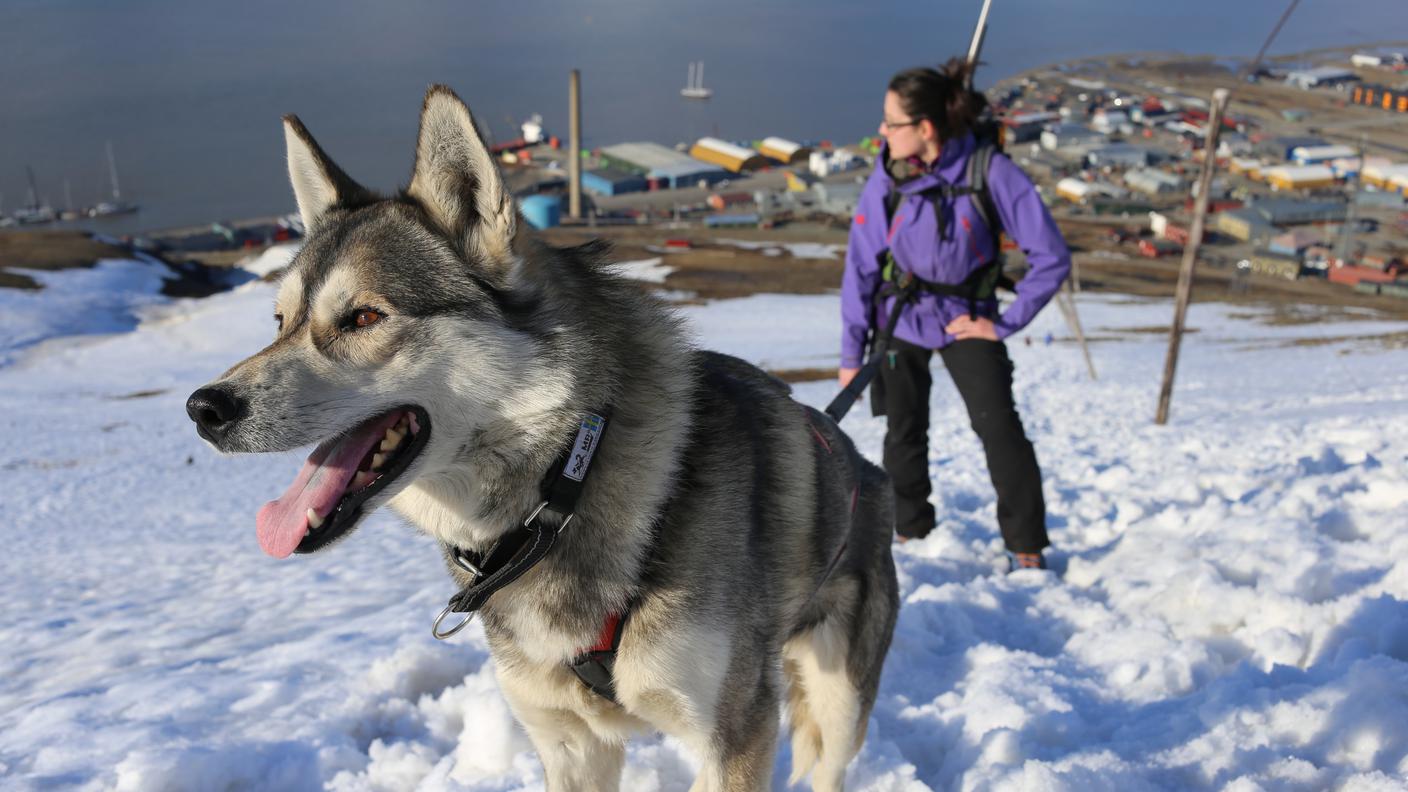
588,436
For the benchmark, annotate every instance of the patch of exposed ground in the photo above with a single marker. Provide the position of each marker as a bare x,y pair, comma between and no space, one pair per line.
48,250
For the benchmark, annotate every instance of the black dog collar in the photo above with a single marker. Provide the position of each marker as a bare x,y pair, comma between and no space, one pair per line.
522,548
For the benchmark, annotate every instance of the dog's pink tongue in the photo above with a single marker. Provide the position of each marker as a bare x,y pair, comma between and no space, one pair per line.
282,523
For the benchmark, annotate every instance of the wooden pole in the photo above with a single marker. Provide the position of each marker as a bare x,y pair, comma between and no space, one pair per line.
1066,301
1190,251
574,147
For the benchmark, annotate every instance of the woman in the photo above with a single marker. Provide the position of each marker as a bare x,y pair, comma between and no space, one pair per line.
914,218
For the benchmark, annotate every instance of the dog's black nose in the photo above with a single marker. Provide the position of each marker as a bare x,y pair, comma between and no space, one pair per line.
214,410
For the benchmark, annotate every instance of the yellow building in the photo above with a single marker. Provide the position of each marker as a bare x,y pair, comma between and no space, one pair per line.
784,151
1381,173
1300,177
727,156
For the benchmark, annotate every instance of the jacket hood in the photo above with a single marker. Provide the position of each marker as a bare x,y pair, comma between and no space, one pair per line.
953,160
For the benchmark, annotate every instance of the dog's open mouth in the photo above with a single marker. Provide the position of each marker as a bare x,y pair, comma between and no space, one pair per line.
325,500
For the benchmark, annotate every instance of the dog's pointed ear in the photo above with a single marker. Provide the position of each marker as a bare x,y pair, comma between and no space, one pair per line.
318,184
459,184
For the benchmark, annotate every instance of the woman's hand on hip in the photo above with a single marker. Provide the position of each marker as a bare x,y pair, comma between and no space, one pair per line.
845,375
966,327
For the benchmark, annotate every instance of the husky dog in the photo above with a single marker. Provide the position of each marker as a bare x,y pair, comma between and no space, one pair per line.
442,356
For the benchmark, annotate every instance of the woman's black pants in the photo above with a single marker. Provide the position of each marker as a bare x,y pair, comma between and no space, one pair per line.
982,372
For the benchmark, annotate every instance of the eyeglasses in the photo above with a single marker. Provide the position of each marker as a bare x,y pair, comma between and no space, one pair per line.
888,124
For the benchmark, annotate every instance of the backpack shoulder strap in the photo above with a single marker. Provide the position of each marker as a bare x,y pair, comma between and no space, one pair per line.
978,164
892,202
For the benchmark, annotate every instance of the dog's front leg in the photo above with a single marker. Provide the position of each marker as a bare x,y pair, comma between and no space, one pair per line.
574,758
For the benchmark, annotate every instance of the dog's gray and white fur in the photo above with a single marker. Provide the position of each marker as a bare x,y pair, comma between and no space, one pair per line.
715,505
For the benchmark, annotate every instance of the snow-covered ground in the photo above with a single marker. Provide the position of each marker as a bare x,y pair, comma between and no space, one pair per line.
1229,608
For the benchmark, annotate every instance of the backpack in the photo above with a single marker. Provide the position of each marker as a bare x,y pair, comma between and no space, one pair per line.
984,282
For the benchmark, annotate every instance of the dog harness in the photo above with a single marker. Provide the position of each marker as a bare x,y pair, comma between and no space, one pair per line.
522,548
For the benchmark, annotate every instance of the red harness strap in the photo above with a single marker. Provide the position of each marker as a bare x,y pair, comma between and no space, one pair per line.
610,635
855,496
596,666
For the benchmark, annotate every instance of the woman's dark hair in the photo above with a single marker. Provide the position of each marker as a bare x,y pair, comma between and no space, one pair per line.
941,95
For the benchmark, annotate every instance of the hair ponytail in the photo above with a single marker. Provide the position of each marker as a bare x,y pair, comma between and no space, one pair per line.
942,96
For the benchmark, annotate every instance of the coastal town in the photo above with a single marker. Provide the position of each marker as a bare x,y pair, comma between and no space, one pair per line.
1311,174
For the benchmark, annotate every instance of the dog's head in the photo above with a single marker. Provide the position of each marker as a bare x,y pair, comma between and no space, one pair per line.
393,338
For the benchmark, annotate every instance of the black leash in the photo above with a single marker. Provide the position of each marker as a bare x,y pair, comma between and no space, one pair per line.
522,548
839,406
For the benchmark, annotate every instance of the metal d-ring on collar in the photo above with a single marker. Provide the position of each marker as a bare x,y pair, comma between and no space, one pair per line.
521,549
462,561
435,628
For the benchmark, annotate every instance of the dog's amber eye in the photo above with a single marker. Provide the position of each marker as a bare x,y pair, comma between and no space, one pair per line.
366,317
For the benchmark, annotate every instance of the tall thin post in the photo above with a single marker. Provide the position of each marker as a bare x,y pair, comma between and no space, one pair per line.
574,148
1190,252
1066,301
980,33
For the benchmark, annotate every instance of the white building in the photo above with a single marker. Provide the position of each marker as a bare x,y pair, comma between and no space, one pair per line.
1322,77
825,163
1118,155
1069,136
1109,121
1153,182
1314,155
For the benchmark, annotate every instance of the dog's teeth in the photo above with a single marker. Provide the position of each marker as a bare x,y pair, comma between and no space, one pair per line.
392,439
362,479
314,521
377,460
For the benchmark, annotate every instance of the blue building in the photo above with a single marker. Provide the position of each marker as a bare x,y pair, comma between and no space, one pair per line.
611,181
542,211
665,166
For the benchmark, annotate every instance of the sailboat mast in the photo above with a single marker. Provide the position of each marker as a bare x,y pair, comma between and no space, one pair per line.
112,170
33,189
700,75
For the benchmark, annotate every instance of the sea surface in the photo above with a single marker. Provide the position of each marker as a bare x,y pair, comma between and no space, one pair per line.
190,93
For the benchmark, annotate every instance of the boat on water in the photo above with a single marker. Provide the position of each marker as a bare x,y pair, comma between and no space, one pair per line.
34,215
116,206
34,212
694,87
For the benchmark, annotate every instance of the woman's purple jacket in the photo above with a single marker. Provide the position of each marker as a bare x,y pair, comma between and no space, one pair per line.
913,237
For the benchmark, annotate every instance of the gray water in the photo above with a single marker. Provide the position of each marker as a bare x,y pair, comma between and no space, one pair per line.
190,93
